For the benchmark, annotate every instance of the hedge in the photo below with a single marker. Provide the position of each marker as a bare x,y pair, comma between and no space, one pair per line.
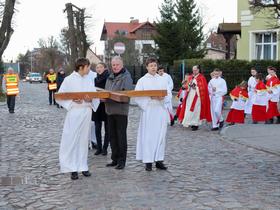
234,71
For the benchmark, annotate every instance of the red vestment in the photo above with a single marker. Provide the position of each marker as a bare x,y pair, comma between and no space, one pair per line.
205,112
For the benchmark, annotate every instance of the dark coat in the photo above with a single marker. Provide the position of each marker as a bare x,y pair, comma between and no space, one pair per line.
118,82
100,81
59,79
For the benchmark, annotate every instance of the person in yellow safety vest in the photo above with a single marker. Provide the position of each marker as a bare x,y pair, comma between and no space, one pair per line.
10,87
52,86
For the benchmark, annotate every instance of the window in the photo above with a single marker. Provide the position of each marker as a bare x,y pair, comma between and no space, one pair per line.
266,46
267,1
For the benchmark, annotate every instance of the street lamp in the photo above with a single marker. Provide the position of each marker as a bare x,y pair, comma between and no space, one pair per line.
31,61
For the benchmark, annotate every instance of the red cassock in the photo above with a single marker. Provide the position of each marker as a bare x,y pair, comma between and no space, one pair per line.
259,111
180,105
205,112
235,115
272,110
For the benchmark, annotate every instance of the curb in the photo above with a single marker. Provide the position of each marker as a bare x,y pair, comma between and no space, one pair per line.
238,141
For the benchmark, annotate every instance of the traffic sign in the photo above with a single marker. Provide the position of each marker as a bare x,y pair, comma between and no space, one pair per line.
119,48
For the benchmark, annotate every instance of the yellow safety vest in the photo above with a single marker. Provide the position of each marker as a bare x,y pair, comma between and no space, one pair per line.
52,78
11,84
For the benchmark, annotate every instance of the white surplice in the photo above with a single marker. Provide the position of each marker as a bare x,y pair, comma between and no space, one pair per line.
153,121
73,151
251,91
192,118
216,99
168,103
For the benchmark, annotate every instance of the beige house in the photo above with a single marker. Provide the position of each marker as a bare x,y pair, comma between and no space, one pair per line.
93,58
216,47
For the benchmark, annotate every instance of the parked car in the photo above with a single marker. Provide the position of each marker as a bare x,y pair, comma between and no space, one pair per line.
35,77
27,78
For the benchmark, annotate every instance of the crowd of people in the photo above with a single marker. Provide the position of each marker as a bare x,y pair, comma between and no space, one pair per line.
259,97
200,101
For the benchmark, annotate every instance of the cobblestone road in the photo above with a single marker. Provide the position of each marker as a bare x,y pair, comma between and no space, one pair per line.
205,171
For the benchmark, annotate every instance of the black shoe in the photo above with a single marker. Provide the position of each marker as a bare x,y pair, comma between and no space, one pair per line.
194,128
160,165
98,152
104,152
112,164
149,166
120,166
214,129
74,175
221,124
93,145
86,173
175,118
270,121
11,111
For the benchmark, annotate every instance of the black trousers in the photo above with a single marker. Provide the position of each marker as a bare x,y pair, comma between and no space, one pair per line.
98,130
117,125
11,102
51,96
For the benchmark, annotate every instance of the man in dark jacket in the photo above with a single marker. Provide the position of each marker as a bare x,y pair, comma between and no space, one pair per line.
60,77
119,80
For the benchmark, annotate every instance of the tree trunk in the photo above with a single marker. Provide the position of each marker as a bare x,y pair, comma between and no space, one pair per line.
6,30
73,41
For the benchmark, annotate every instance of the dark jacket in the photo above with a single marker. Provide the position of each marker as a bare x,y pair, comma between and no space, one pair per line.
118,82
59,79
100,81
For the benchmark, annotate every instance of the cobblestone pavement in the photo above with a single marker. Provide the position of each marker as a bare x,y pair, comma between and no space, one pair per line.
205,171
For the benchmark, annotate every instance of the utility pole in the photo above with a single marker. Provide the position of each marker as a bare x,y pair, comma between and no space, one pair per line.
31,61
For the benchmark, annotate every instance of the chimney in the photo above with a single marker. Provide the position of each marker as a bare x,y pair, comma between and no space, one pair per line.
134,20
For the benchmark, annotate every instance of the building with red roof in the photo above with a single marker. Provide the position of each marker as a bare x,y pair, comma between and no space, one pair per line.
140,35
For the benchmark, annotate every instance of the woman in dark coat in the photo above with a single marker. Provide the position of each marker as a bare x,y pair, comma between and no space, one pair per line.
60,77
100,115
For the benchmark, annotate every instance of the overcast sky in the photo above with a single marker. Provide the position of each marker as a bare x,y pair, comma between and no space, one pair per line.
37,19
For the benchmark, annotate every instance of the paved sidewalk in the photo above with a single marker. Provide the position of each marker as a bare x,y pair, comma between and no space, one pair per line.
259,136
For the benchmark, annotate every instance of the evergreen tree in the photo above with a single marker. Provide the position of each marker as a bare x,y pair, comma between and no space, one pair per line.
191,34
167,38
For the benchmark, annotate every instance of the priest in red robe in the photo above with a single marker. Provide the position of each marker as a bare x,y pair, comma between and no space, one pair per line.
197,101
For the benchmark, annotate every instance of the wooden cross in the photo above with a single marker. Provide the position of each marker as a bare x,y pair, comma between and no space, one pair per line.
119,96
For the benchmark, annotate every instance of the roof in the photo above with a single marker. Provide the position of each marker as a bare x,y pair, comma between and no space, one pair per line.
218,42
127,29
231,28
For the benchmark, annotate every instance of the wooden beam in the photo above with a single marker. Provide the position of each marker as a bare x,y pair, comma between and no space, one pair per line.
119,96
81,95
144,93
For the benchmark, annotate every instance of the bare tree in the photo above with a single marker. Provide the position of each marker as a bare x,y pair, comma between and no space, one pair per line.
50,56
6,29
78,42
273,5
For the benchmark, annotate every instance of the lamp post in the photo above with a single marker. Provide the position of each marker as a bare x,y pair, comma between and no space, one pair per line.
31,61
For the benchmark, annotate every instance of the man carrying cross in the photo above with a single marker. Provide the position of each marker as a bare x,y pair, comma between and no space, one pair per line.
119,80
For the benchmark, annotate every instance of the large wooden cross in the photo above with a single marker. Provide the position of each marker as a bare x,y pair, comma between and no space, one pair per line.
119,96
